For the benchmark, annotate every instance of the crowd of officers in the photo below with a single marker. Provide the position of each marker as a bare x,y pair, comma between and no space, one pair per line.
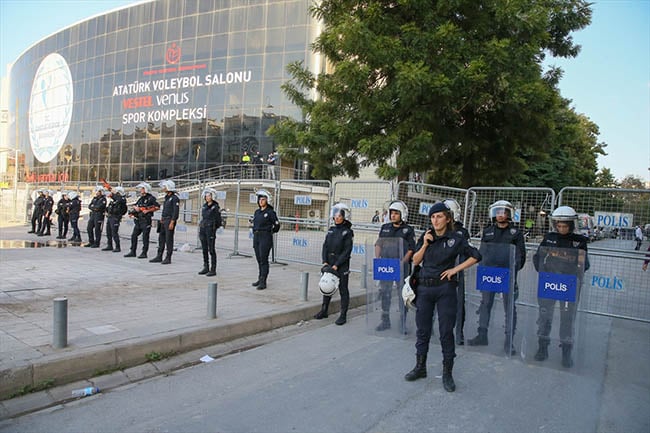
440,256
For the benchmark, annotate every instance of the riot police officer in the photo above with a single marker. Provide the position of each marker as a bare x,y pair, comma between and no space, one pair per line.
437,251
336,252
167,223
564,221
37,212
97,209
503,233
142,213
63,214
115,210
46,210
210,222
388,247
73,210
265,223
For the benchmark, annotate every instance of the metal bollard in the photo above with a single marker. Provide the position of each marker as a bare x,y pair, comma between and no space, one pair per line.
60,323
364,276
212,300
304,285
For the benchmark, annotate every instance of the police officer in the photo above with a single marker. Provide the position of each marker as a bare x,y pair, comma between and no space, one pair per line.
437,251
387,246
167,223
210,222
336,252
37,212
74,208
97,209
142,213
551,252
265,223
62,211
457,214
504,233
47,206
114,212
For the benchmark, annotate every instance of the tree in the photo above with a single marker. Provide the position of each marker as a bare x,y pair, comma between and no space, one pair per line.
632,182
605,179
454,89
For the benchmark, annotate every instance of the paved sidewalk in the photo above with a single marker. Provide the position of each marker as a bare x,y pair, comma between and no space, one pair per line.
122,309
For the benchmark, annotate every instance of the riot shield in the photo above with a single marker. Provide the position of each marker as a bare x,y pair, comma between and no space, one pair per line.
554,328
386,313
491,294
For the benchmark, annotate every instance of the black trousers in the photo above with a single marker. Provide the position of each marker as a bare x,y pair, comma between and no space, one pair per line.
36,220
63,225
113,231
95,228
141,226
165,237
208,236
444,299
262,244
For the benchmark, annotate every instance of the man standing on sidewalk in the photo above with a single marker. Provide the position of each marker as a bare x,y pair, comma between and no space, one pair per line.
167,223
97,208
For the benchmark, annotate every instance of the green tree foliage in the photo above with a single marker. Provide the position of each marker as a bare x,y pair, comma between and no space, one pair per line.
605,179
454,89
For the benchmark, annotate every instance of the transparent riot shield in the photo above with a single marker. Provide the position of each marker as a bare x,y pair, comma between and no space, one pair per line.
387,314
554,330
490,298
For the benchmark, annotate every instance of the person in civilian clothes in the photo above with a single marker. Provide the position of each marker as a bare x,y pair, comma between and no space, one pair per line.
167,223
265,223
210,222
436,251
97,209
142,213
336,252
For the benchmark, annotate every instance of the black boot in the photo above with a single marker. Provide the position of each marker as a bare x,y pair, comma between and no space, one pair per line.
257,283
420,369
447,378
157,259
130,254
385,322
205,269
345,302
542,350
213,270
262,284
108,248
481,339
322,314
567,361
167,261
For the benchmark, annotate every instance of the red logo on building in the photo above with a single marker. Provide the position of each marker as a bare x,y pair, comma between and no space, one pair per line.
173,54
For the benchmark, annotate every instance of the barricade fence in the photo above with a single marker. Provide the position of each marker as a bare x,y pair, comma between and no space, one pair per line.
615,279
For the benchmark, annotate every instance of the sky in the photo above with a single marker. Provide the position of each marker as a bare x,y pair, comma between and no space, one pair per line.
609,81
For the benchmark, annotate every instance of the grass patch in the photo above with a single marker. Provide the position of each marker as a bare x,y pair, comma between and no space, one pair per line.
28,389
157,356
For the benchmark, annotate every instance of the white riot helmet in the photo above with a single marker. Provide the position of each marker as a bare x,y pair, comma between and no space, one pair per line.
72,195
565,214
65,194
501,206
99,188
119,190
343,209
145,185
408,295
400,207
328,284
211,191
263,193
454,207
168,185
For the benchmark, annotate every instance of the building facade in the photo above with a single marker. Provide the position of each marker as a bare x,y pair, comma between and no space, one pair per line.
157,89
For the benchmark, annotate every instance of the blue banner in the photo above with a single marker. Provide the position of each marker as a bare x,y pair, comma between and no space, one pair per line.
492,279
561,287
386,270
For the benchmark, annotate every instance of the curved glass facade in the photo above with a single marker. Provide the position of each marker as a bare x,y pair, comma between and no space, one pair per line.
157,89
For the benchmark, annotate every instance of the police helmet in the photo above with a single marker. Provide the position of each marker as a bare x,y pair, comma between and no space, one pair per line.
73,194
454,207
65,194
328,284
168,185
501,206
263,193
565,214
145,185
211,191
99,188
400,207
119,190
343,209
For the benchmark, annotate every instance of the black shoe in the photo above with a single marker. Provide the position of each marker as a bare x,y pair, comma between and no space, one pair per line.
321,315
130,254
94,246
256,283
567,360
383,325
542,352
88,245
117,250
31,231
156,259
212,273
341,320
108,248
204,271
480,340
167,261
142,256
447,378
261,286
40,234
72,239
420,369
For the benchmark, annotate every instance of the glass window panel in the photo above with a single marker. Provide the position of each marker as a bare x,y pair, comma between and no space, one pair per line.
153,151
144,61
134,36
274,68
203,47
189,27
120,62
204,25
274,40
132,58
297,12
123,19
90,49
158,54
237,19
255,17
256,41
191,7
111,22
188,49
146,34
101,25
159,30
220,22
74,34
166,149
111,42
296,38
160,11
174,29
220,46
175,9
122,36
206,6
92,28
237,44
223,4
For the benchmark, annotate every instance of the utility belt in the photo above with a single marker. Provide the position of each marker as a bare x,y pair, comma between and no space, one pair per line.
434,281
261,231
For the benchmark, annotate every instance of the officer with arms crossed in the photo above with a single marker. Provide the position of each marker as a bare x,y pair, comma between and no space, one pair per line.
388,247
564,237
97,208
142,213
210,222
336,252
265,223
114,211
167,223
504,233
436,251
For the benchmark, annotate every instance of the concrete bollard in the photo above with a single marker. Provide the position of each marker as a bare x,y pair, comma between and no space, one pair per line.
364,276
212,300
60,323
304,286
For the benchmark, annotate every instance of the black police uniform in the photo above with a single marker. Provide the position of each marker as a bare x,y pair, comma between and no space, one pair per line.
97,208
265,223
500,257
170,212
74,208
210,222
562,264
114,212
37,213
460,289
62,209
336,251
142,225
47,207
389,247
